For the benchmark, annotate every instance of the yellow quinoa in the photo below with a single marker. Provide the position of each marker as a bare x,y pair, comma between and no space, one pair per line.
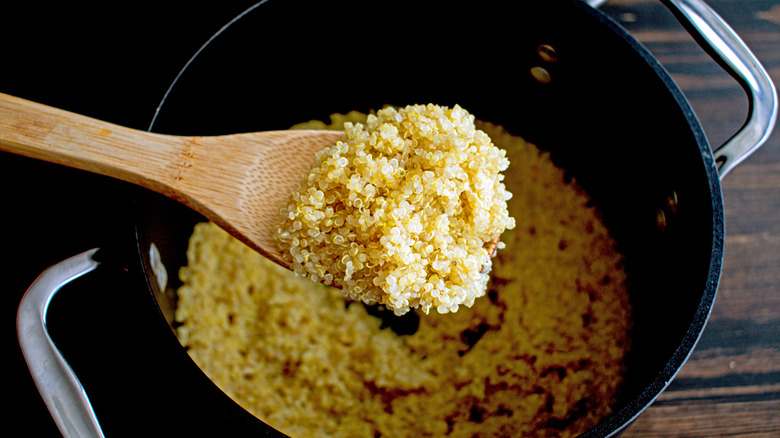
399,212
540,355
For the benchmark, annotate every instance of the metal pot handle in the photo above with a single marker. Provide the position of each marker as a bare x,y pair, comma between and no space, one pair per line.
727,48
57,383
718,39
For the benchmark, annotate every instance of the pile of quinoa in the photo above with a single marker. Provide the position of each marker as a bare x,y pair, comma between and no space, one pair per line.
399,211
540,355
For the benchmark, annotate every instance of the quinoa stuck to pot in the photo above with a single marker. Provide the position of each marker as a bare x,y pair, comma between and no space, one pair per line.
399,211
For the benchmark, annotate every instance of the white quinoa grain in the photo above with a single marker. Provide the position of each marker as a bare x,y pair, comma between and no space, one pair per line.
413,195
541,356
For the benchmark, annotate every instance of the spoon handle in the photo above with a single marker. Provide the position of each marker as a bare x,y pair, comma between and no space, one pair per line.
237,180
57,136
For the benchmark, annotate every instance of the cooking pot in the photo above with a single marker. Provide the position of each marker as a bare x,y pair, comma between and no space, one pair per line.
558,73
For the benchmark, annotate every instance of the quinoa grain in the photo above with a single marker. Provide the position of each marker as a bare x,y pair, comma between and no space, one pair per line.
399,211
542,356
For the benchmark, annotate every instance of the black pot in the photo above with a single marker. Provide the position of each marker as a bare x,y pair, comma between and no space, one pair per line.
557,73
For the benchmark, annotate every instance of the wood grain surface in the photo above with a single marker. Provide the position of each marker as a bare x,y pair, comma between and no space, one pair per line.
730,386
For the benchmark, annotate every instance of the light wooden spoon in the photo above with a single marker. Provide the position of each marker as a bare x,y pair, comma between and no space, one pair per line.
237,181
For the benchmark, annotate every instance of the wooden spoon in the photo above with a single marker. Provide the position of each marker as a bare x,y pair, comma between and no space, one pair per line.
237,181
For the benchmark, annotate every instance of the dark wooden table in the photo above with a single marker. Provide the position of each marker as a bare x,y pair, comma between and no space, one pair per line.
115,63
730,386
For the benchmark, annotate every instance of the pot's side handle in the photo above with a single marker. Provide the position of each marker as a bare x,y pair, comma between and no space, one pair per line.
57,383
718,39
727,48
595,3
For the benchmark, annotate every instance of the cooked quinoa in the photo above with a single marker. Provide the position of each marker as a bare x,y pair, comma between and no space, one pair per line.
399,211
540,355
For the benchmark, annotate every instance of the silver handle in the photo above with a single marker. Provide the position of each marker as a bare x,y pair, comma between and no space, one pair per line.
718,39
595,3
57,383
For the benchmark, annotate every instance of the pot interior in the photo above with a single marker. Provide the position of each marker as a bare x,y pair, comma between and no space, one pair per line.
602,107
